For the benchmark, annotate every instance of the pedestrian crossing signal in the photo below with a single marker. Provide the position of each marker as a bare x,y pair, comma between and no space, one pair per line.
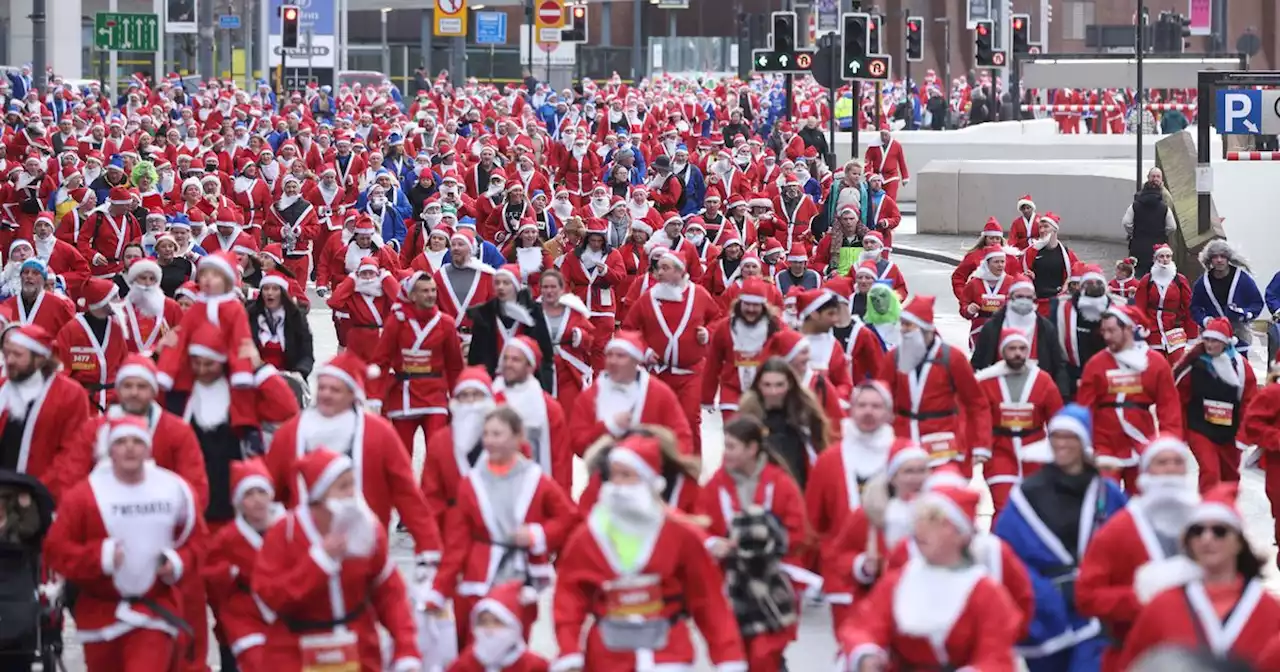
915,39
289,26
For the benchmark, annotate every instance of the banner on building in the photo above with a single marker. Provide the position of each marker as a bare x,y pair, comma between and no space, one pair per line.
1201,14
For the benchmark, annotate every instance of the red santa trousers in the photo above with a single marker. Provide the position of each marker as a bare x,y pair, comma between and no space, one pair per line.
462,607
890,190
688,389
1271,468
1003,468
300,267
765,652
194,597
1124,476
140,650
602,331
407,428
1218,461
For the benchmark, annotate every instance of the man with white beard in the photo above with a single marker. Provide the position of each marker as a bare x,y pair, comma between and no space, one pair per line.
1078,319
671,236
598,205
544,421
146,313
1164,296
442,469
1216,384
1138,553
62,258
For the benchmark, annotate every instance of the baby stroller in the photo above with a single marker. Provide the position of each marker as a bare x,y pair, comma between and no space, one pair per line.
31,618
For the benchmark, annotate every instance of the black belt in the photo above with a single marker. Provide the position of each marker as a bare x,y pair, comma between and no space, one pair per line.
98,387
418,376
291,255
170,618
927,415
363,326
1123,404
1011,431
299,625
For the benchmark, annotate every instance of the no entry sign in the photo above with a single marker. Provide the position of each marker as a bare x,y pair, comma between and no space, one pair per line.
550,14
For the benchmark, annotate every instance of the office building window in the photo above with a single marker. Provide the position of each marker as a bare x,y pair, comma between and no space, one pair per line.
1077,14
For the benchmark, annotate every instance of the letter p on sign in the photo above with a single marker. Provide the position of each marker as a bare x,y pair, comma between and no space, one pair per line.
1240,112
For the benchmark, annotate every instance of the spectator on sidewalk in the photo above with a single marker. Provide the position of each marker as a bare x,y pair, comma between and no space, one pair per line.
1148,222
814,137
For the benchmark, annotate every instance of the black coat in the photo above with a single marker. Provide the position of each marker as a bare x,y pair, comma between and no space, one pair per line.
299,355
1050,357
484,337
174,274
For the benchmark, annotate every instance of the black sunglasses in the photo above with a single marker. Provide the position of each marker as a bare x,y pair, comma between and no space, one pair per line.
1219,531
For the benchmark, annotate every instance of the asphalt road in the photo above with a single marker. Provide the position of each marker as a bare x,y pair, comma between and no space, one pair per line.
815,648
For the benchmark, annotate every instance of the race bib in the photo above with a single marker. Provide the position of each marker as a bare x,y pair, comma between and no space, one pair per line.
330,652
991,303
416,361
747,360
83,362
1220,413
1016,415
1175,339
1121,381
606,297
941,446
629,598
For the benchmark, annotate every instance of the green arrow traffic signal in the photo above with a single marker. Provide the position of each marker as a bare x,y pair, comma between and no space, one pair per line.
762,61
855,66
783,60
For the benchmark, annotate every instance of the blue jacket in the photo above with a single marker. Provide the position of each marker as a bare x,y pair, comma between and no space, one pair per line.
396,199
695,190
1057,625
1273,294
1243,295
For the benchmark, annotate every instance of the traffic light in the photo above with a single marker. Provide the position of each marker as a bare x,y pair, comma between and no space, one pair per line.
1021,33
783,56
1184,22
784,32
915,39
855,45
984,44
576,31
289,26
873,34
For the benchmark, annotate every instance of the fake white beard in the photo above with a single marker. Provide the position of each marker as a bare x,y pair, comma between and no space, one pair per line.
1092,307
1163,274
615,116
579,152
749,337
19,395
371,287
467,423
600,204
166,183
497,648
354,254
635,508
243,184
591,258
1167,501
911,351
269,171
91,174
666,291
562,208
353,519
335,433
286,202
638,211
11,278
44,246
147,300
1224,368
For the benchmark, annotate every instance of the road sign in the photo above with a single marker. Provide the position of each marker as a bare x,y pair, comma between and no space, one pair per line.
491,28
997,59
451,18
229,21
1248,112
549,36
798,61
550,14
876,67
114,31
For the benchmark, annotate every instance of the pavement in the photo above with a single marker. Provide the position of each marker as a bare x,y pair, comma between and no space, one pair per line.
950,249
815,648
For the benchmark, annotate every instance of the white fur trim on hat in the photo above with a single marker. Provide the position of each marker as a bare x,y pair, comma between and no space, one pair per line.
912,452
142,266
128,429
914,319
760,203
1026,201
20,339
340,374
339,466
1018,336
632,459
276,280
1215,335
137,371
1066,423
467,240
524,349
752,298
626,347
801,346
476,385
1216,512
515,280
948,508
819,303
206,353
366,267
1093,275
219,263
1022,284
1160,445
249,483
497,609
1046,220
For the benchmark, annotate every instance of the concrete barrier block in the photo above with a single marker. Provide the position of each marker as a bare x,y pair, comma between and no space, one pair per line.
939,182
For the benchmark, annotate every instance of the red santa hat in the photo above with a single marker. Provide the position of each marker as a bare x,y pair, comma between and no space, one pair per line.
959,505
754,290
46,217
1052,219
735,201
469,237
33,338
791,180
1155,249
867,268
504,602
760,201
247,475
275,279
1129,316
510,272
318,470
351,370
1026,200
1219,507
992,228
901,452
1010,335
528,347
226,217
327,169
128,426
222,261
872,236
474,378
364,225
919,311
798,253
788,344
1219,329
1021,282
1160,444
750,258
141,367
1092,272
596,227
630,343
658,252
120,196
992,252
97,293
141,266
206,342
189,289
812,301
644,455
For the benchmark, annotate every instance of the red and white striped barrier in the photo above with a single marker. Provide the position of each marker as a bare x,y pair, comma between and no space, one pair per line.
1154,107
1253,156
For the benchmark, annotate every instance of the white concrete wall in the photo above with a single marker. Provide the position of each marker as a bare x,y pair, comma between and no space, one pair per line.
1248,200
62,35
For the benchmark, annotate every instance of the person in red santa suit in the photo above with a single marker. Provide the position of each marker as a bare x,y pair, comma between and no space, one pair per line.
1216,384
442,469
146,314
328,201
61,257
42,408
671,236
795,213
542,416
365,299
93,345
498,638
817,310
625,395
292,222
992,236
323,572
986,292
226,234
126,536
219,307
885,216
938,402
594,273
1120,385
252,196
792,143
886,159
229,566
737,347
510,519
674,317
940,609
634,563
420,351
569,326
1025,224
1225,598
104,234
1023,398
1163,296
464,282
1137,553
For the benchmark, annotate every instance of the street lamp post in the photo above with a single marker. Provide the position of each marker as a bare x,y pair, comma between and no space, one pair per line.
386,50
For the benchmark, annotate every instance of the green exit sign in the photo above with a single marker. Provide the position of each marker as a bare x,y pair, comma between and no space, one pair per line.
115,31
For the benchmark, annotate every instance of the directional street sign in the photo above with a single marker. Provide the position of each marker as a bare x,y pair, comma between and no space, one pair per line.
1248,112
797,61
878,67
115,31
491,28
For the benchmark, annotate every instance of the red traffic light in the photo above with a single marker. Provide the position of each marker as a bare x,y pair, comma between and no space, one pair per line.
982,29
913,26
579,12
290,14
1017,24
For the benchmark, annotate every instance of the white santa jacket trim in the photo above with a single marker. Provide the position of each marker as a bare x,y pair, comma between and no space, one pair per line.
526,489
420,335
1222,636
32,419
1047,537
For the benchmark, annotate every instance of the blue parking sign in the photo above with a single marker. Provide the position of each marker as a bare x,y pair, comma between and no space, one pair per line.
1239,112
491,28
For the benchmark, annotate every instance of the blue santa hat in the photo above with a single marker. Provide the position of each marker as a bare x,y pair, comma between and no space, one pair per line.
1074,419
116,161
36,265
395,139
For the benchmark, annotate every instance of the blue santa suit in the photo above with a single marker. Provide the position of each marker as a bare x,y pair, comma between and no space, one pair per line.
1059,639
1244,301
695,190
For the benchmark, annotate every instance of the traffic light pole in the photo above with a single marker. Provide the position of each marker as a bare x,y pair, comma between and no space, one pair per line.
1139,48
906,65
